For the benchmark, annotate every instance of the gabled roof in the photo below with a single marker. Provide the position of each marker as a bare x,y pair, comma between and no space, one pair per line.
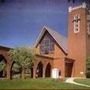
60,39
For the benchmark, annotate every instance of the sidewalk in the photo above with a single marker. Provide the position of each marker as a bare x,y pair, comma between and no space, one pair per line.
71,80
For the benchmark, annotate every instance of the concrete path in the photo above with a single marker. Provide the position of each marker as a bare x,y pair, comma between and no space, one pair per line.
71,80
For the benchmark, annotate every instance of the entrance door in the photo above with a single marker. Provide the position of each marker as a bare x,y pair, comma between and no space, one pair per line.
48,70
68,69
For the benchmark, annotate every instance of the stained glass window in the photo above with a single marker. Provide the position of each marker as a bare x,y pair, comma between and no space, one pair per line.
47,45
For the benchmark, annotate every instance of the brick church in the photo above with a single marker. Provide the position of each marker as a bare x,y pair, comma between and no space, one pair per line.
59,56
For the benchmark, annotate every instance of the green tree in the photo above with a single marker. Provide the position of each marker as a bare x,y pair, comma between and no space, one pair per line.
16,67
2,65
24,57
88,67
71,0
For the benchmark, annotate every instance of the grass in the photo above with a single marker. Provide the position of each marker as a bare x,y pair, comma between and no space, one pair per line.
37,84
83,81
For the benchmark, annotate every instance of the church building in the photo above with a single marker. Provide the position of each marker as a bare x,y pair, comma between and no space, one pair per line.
59,56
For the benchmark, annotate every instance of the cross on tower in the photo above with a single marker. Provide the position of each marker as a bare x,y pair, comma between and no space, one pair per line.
76,19
76,23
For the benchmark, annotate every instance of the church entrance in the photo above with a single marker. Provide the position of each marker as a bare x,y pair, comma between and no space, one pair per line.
48,70
68,68
39,71
2,66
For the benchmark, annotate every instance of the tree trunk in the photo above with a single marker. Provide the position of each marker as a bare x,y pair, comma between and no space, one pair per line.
23,73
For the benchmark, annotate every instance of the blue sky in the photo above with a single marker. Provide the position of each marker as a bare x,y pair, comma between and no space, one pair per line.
22,20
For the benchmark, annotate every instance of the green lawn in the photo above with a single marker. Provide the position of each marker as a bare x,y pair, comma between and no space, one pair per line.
37,84
83,81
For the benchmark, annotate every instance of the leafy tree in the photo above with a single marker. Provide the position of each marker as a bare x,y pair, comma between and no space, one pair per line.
16,70
24,57
72,1
2,1
16,67
88,67
2,65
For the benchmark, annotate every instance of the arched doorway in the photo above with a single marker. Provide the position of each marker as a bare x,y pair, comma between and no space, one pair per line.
39,71
3,62
48,70
15,70
31,72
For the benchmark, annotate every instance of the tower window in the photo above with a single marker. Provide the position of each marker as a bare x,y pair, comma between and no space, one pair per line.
76,22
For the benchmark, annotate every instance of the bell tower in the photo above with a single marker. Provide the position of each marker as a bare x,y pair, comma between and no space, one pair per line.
78,38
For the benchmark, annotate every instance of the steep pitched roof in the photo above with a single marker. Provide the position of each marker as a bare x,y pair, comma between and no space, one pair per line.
60,39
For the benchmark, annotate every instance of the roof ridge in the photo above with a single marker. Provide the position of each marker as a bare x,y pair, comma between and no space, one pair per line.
60,39
47,28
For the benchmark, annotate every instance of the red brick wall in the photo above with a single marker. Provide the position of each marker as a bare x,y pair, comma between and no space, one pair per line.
77,42
58,58
4,53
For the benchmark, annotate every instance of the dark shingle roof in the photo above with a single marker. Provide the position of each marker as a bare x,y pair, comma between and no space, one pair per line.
60,39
